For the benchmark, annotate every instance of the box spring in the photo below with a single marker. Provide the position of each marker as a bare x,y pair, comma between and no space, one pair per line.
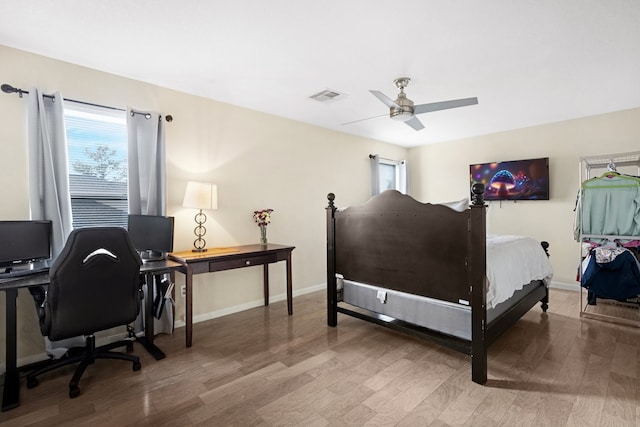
443,316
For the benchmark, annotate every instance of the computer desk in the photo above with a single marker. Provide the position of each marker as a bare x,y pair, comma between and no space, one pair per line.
227,258
10,286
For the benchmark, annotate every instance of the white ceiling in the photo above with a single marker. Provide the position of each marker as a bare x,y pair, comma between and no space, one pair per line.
529,62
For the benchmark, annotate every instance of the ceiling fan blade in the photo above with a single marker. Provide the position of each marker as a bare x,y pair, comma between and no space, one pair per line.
384,98
368,118
415,123
444,105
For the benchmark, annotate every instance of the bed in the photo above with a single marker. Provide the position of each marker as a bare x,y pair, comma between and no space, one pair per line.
424,269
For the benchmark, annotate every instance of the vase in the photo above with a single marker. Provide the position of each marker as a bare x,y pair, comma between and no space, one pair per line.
263,235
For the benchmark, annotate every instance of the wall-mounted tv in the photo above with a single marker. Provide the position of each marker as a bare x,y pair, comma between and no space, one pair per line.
513,180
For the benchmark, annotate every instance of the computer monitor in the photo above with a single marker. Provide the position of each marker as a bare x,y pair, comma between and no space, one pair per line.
23,243
151,235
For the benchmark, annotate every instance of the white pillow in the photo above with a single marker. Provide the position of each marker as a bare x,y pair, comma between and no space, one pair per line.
459,205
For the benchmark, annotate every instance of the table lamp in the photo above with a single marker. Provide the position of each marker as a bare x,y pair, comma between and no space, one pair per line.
200,195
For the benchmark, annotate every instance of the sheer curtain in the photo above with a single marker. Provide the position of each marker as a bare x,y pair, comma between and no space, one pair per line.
375,174
148,187
49,194
147,163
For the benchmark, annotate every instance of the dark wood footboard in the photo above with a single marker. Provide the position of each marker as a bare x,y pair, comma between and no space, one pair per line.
397,243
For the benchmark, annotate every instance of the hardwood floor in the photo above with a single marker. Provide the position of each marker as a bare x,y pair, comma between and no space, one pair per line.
262,368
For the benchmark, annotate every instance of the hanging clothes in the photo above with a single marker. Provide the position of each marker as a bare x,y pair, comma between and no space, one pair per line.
612,274
609,205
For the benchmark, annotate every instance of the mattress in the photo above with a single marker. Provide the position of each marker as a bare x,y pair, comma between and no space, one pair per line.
513,261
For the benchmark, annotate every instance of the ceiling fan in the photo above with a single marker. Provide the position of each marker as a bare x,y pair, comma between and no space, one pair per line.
402,109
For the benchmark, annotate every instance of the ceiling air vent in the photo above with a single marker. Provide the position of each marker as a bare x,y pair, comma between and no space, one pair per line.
327,95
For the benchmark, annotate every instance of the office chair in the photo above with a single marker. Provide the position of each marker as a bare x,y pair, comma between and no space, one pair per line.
94,286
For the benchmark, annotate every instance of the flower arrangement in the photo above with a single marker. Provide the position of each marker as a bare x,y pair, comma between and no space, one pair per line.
262,217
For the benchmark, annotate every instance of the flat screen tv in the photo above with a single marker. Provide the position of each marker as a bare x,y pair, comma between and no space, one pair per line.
23,243
151,235
513,180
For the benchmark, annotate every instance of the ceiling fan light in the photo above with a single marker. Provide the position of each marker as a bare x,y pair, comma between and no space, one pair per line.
401,115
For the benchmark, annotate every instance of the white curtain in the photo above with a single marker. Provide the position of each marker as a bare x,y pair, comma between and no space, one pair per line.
147,163
403,180
148,188
49,193
375,174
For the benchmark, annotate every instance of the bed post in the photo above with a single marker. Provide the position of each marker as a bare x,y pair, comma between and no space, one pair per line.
478,283
332,292
544,302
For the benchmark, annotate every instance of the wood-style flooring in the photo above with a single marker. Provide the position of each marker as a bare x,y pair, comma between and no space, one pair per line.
264,368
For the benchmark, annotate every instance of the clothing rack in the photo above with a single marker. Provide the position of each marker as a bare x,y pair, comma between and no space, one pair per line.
613,311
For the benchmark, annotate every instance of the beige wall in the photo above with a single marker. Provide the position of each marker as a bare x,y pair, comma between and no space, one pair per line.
257,160
441,172
262,161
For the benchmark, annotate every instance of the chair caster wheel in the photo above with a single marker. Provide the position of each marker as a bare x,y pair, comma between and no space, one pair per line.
32,382
137,366
74,392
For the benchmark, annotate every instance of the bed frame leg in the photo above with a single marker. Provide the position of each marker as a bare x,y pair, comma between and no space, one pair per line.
479,367
544,302
332,309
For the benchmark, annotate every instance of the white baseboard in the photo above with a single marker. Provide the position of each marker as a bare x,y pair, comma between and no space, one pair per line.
248,305
565,286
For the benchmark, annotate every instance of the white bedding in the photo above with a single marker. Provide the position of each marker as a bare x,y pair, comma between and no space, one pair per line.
512,262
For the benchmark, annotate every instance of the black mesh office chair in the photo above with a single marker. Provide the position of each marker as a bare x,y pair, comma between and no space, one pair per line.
94,286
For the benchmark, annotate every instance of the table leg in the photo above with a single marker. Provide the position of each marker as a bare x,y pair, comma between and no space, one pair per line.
188,278
289,286
11,394
147,339
266,283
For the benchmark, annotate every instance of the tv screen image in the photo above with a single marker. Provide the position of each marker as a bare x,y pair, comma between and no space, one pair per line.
513,180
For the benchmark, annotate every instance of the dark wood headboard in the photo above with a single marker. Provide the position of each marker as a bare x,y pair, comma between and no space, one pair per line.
396,242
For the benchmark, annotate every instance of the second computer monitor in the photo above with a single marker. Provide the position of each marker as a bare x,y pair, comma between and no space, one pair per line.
151,235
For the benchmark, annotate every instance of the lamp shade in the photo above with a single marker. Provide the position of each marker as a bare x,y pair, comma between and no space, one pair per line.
201,195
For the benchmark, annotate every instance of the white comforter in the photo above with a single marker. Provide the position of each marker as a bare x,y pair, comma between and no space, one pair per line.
512,262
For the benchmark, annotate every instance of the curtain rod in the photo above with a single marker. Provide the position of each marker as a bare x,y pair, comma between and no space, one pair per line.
7,88
371,156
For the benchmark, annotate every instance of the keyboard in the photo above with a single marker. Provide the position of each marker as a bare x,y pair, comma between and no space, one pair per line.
23,272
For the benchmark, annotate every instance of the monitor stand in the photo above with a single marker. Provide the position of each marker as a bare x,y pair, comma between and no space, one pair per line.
148,256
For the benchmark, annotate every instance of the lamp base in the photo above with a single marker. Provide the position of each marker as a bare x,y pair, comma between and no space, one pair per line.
199,244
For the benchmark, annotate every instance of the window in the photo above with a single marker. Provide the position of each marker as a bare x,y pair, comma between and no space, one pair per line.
388,174
97,143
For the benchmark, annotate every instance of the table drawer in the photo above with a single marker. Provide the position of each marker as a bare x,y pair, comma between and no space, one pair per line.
243,262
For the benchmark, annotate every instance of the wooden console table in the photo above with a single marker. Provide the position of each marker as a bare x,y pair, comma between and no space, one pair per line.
219,259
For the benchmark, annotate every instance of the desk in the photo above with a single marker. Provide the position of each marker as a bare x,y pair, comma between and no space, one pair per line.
11,393
219,259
